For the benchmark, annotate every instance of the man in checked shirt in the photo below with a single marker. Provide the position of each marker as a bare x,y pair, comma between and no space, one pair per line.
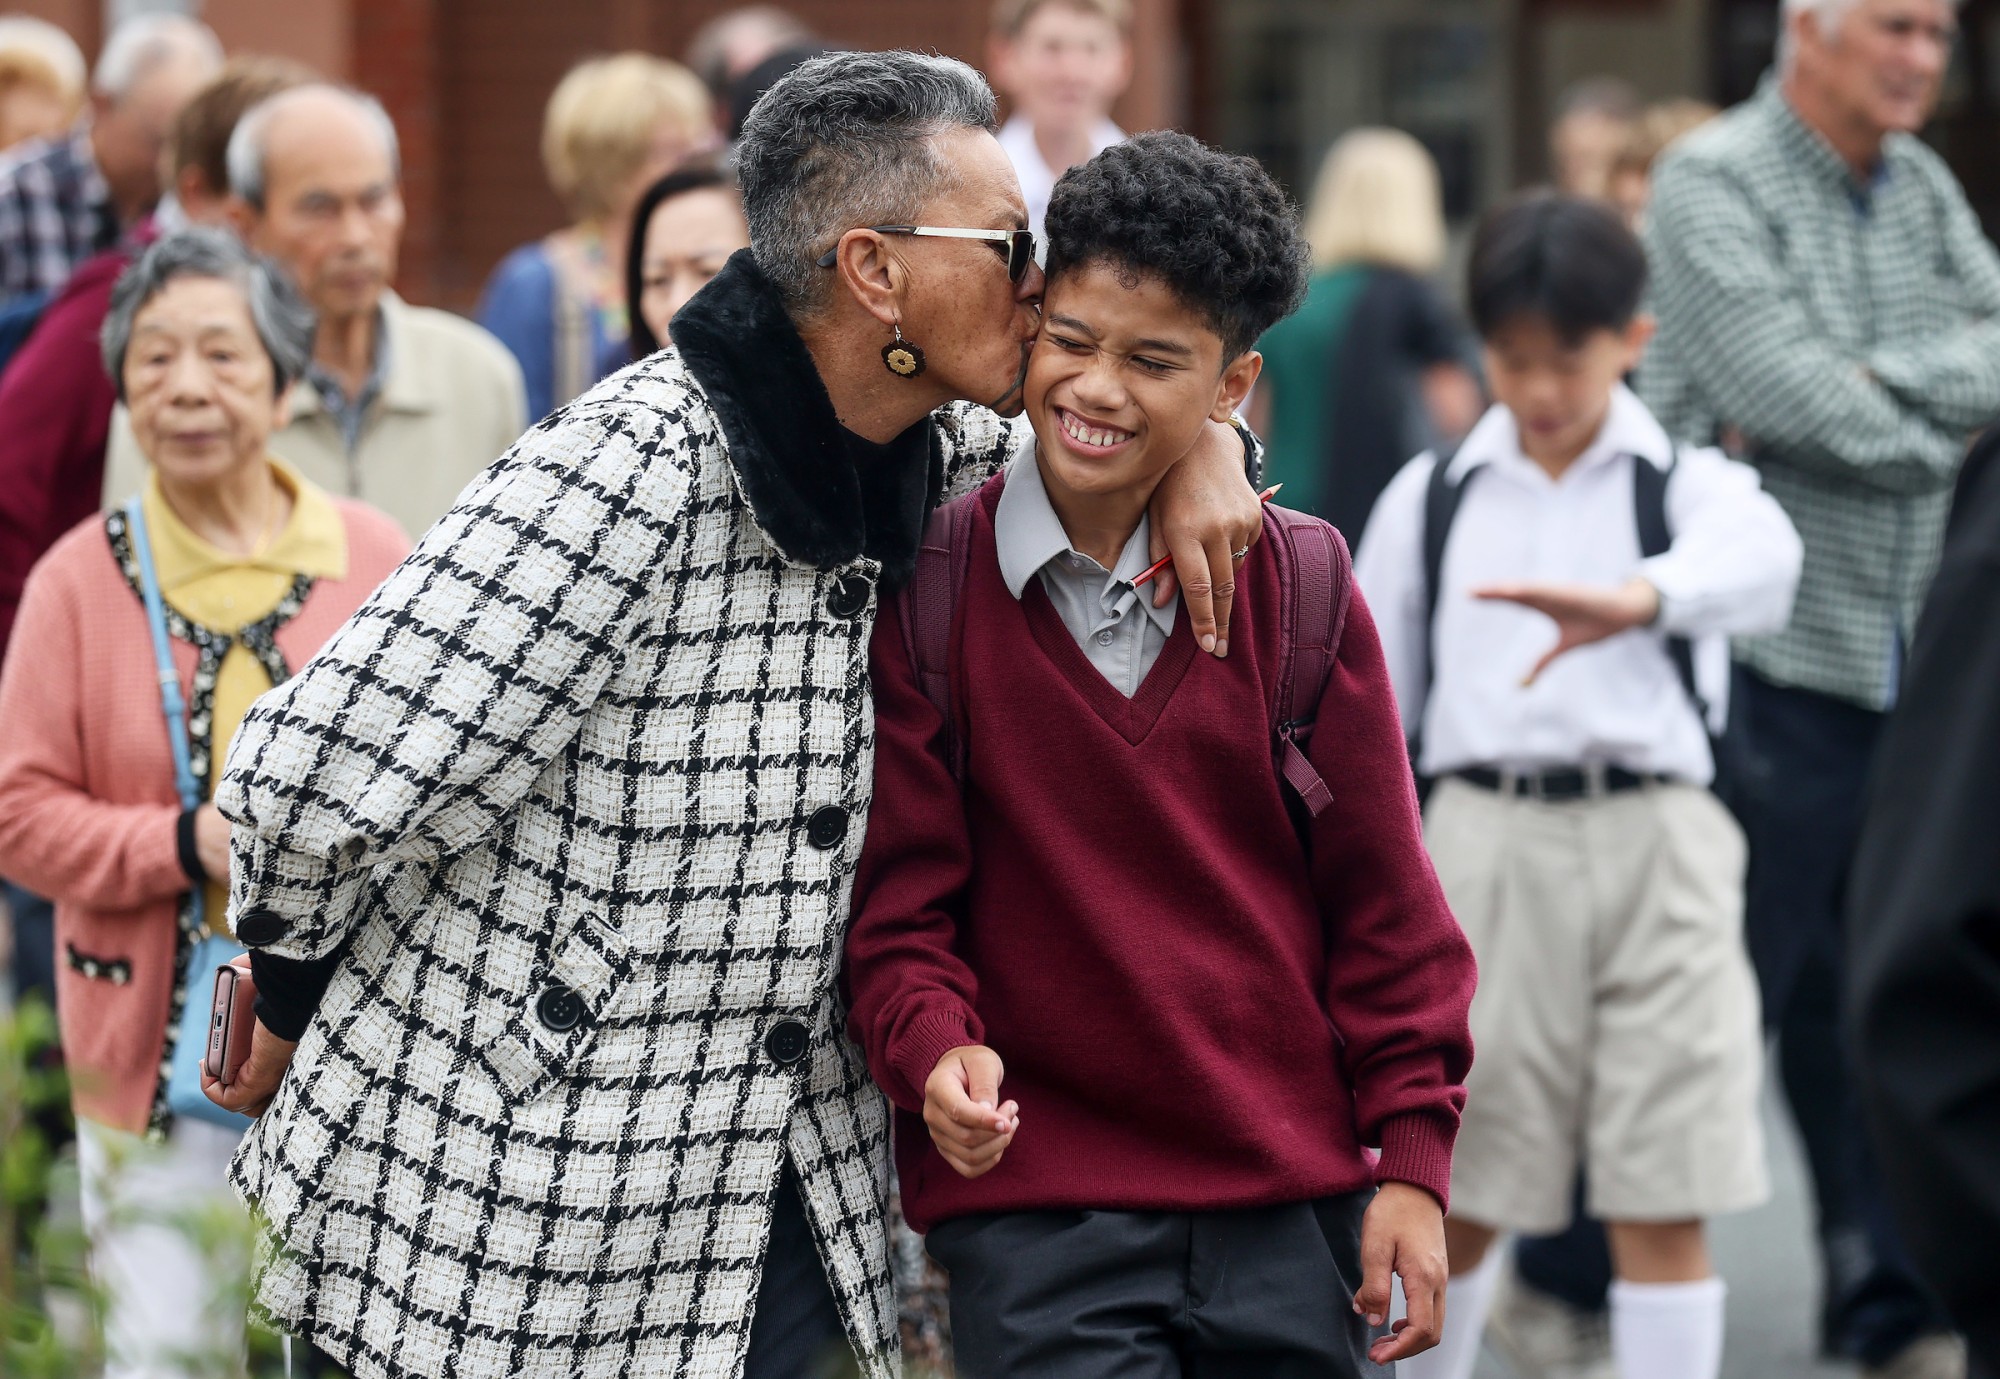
1828,304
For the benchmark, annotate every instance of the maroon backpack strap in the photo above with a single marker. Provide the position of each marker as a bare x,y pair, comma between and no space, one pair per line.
926,605
1315,585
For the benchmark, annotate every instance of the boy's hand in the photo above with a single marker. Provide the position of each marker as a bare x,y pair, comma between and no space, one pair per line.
962,1107
1203,512
1403,1234
1583,613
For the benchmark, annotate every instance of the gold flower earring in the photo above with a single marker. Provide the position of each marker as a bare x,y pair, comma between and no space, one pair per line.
903,359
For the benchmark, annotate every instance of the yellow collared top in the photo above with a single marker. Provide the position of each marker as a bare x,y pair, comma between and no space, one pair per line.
225,592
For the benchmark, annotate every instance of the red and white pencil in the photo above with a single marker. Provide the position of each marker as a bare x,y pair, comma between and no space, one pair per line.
1266,496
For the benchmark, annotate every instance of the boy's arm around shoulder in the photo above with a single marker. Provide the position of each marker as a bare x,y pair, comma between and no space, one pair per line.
427,717
910,994
1399,971
1734,564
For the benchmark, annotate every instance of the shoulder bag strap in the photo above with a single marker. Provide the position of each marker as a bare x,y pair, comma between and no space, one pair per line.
171,699
1315,587
928,603
1649,512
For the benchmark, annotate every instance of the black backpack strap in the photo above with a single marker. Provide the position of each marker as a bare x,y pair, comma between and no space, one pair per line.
927,605
1315,587
1441,499
1649,512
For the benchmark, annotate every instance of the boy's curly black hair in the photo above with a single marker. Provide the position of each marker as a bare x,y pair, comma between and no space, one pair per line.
1212,226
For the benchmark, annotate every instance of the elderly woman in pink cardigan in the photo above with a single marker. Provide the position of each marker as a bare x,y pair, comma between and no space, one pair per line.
256,568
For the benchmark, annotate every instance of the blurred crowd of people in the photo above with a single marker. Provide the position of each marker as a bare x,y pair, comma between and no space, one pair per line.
221,428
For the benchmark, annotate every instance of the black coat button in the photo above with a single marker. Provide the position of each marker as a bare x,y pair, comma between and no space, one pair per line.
560,1009
786,1042
849,598
827,827
261,928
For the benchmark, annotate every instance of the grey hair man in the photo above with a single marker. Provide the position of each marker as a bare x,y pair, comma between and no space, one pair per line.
1829,307
64,200
545,860
403,404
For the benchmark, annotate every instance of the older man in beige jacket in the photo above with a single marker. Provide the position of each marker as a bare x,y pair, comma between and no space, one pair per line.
402,405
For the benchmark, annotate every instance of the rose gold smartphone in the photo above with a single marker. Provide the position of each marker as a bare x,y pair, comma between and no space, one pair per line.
229,1025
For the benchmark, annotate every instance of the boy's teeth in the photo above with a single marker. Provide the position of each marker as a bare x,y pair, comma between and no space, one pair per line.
1090,435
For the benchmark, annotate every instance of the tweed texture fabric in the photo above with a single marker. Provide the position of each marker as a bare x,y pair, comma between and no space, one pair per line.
606,732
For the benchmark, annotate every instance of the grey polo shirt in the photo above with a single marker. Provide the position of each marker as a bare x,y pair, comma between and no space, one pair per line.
1119,629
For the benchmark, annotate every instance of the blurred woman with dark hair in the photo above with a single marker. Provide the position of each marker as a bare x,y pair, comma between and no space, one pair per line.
684,229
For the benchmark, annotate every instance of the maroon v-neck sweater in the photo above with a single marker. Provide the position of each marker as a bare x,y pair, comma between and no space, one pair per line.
1192,1012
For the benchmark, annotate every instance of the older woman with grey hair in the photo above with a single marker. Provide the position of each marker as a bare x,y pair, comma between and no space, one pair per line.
254,568
567,817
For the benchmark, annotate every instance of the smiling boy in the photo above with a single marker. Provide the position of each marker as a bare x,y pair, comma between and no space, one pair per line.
1087,894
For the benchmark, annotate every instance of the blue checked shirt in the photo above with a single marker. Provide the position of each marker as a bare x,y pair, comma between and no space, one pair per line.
1849,330
55,212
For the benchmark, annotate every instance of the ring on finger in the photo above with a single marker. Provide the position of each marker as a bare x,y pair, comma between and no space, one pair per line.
1238,555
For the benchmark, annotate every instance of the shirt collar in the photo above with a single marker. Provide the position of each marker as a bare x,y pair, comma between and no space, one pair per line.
1029,535
1808,148
1628,429
313,541
392,378
1017,136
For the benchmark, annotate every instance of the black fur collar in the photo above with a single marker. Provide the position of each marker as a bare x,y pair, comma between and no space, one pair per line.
794,463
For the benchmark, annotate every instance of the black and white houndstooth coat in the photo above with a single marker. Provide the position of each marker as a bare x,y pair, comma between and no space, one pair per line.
582,789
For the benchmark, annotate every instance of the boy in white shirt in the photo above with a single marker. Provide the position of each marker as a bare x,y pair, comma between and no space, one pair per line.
1562,682
1062,65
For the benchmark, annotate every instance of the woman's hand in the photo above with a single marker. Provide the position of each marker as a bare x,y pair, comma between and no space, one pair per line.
211,843
1203,512
257,1080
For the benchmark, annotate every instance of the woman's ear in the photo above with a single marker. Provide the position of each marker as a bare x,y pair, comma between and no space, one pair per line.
282,409
871,273
1235,384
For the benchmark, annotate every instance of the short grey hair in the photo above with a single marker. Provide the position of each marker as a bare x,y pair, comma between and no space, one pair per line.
245,159
844,141
142,44
1829,13
284,322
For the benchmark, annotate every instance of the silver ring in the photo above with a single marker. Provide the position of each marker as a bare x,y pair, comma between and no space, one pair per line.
1238,555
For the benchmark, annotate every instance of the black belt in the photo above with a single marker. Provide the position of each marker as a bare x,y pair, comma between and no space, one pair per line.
1560,784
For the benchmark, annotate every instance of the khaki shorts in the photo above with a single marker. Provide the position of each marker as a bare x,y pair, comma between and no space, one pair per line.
1616,1019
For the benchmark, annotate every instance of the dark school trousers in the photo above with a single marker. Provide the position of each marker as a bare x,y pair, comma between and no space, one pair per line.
1797,768
1258,1293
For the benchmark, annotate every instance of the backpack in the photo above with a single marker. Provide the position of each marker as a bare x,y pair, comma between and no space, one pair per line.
1315,586
1649,513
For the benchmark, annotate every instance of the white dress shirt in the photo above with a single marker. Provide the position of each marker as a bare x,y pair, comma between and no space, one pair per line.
1119,629
1038,179
1732,570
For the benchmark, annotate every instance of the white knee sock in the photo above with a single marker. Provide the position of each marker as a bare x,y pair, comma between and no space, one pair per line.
1668,1330
1467,1300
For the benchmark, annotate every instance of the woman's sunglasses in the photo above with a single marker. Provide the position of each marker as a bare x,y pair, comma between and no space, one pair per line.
1015,246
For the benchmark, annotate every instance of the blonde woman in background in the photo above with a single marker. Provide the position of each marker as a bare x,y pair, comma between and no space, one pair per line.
613,126
1632,171
1372,369
41,80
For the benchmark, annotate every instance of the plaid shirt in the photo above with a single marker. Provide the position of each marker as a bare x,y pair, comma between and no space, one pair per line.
55,212
1849,330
